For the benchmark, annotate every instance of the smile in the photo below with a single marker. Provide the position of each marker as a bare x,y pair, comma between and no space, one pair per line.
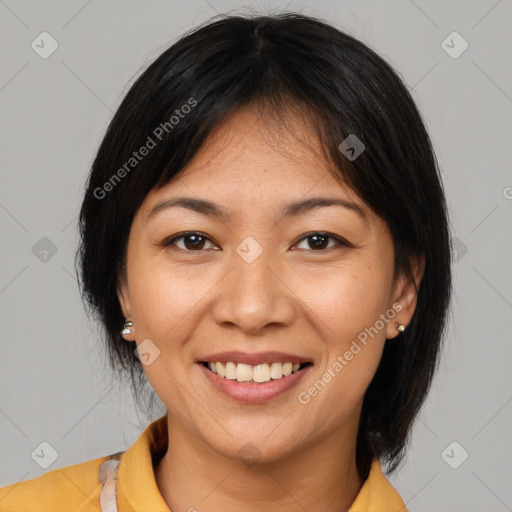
254,374
253,378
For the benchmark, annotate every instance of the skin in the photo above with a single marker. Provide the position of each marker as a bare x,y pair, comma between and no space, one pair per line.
293,298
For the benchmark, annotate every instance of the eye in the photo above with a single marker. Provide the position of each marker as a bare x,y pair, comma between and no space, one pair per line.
192,241
319,241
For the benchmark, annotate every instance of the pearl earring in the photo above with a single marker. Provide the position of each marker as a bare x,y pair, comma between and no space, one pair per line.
400,327
126,328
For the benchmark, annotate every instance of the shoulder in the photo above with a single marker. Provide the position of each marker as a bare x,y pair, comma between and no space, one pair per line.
76,487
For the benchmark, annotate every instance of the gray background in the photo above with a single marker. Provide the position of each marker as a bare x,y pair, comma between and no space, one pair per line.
55,385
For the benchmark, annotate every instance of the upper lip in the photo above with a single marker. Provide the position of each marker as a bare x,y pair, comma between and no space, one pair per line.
254,359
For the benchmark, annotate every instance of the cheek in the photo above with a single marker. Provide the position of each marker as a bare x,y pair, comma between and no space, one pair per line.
348,317
166,300
336,395
166,303
349,308
346,301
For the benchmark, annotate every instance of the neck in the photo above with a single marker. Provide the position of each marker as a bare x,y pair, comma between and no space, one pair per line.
322,476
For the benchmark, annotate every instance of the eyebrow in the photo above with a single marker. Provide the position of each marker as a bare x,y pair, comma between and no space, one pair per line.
290,210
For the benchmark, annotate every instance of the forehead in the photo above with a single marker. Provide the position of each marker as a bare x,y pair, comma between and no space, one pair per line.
252,153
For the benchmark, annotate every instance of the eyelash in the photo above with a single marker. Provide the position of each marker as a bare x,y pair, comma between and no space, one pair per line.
340,241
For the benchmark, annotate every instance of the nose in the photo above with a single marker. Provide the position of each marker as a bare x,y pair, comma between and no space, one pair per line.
253,296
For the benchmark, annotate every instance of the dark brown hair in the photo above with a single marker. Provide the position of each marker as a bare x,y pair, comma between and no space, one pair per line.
342,87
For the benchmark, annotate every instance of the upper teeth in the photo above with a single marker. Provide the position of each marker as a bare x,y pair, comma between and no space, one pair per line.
259,373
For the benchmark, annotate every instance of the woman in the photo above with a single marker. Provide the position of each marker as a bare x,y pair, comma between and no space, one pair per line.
265,239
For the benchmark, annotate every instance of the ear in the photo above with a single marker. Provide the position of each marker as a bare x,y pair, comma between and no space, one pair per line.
123,295
406,295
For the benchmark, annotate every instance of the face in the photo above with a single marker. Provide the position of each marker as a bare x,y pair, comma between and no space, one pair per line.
265,284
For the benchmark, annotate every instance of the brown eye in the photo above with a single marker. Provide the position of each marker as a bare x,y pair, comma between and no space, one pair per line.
192,241
319,241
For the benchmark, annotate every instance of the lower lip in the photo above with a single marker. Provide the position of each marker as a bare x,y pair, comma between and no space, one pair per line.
250,392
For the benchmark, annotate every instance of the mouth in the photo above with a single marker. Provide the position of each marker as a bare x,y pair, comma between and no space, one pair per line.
254,374
253,378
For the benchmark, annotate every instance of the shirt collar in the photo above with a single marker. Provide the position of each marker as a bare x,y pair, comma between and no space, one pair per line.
377,494
136,484
137,489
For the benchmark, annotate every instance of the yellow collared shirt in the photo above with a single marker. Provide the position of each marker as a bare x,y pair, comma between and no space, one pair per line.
125,482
